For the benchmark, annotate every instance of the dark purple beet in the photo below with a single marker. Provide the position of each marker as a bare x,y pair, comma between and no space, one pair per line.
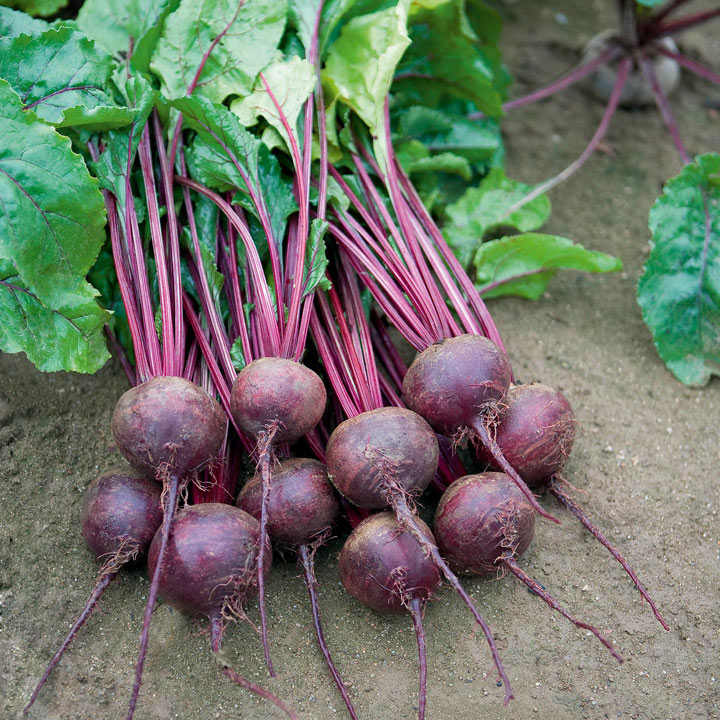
209,570
483,523
168,426
536,435
385,567
301,504
280,392
274,400
536,432
458,386
120,513
210,561
301,508
480,519
120,516
376,454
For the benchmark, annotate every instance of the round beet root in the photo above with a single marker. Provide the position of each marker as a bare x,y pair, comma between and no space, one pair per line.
483,523
455,382
301,504
373,456
168,426
480,519
210,560
536,432
457,386
281,392
121,514
384,566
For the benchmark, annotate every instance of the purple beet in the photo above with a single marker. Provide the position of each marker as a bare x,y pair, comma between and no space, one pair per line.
121,514
385,458
274,400
385,567
458,386
209,569
301,509
483,523
536,434
167,427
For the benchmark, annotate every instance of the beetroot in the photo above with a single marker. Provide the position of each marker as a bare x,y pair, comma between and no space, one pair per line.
386,457
274,400
386,568
167,427
458,386
209,570
536,435
301,508
121,514
483,523
380,454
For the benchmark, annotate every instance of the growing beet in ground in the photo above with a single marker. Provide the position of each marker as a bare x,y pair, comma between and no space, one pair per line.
209,569
168,428
121,514
274,400
385,458
536,435
483,524
385,568
458,386
301,509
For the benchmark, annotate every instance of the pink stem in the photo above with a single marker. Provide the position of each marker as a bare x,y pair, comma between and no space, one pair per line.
692,65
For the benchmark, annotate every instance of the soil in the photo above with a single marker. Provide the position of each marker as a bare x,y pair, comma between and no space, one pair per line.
645,464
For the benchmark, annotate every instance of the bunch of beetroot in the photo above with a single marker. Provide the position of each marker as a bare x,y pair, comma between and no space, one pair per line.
290,354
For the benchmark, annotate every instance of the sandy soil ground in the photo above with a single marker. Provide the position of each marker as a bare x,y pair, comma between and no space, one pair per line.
646,456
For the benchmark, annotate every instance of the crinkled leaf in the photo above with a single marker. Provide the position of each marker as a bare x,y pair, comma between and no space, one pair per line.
291,83
442,131
44,8
361,64
112,167
63,77
679,291
524,264
446,58
484,209
51,230
114,23
303,13
224,151
415,158
14,23
231,69
236,355
316,259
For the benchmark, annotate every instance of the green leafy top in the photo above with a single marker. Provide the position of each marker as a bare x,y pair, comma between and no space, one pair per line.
51,231
256,27
679,291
